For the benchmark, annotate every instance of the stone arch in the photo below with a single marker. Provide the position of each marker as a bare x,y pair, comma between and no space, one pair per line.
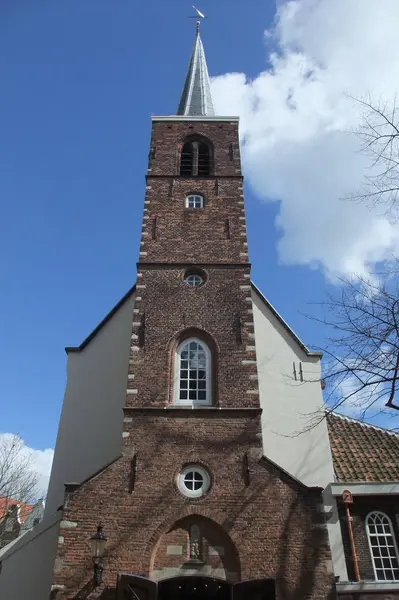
216,553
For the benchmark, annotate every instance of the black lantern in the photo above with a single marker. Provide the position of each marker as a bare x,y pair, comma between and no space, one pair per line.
98,541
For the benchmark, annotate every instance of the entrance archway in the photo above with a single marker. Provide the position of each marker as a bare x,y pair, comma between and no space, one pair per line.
193,587
195,546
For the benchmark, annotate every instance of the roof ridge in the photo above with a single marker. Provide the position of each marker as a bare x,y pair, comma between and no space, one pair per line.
363,423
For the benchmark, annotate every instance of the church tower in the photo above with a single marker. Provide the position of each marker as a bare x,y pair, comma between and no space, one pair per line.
192,508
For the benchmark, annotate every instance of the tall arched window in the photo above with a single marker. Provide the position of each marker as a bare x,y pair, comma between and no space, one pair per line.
383,549
196,157
193,373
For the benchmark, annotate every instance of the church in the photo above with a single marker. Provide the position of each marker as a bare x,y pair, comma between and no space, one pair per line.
177,473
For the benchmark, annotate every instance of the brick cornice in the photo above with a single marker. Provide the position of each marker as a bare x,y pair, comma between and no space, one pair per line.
179,265
194,177
179,411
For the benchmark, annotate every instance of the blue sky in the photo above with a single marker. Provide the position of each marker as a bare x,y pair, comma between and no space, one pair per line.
80,79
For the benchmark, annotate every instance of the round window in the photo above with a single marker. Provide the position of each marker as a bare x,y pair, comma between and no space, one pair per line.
193,280
194,277
194,481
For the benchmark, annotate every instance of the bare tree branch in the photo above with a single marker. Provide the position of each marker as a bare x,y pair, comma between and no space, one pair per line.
361,364
18,479
378,134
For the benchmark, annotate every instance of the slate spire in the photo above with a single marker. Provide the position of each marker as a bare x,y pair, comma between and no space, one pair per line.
196,98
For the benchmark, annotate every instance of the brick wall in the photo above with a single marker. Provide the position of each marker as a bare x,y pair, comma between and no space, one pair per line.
167,139
172,309
267,524
275,525
186,235
360,508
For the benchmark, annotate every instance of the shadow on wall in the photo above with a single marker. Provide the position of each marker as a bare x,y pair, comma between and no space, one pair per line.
294,536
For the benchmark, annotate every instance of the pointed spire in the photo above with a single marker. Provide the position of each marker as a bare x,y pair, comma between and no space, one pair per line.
196,98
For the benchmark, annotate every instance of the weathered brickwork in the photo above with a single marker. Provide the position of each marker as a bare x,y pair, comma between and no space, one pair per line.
168,137
273,523
255,521
219,311
361,507
174,233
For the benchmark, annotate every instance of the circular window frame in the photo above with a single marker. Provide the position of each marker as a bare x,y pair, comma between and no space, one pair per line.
200,492
194,271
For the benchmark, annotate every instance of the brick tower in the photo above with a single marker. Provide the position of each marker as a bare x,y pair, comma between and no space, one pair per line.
191,507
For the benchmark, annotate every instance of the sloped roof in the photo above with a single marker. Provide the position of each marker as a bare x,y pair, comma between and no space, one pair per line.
71,349
284,323
196,98
24,509
362,452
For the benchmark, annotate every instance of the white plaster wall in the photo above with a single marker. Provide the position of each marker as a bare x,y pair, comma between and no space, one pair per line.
90,428
27,566
287,404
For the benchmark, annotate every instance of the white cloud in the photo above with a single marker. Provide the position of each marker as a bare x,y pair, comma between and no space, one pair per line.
41,461
294,122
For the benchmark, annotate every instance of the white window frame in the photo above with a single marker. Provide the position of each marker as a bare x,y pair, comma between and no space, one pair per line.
391,535
195,197
208,375
193,493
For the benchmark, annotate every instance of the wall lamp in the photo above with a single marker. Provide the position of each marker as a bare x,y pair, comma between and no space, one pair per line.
98,541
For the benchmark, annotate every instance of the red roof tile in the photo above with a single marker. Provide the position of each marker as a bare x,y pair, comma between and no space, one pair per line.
6,503
362,452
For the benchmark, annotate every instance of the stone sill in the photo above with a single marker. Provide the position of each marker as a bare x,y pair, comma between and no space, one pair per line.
349,587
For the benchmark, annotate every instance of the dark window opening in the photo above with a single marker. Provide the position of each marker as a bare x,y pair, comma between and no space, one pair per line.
195,159
154,229
203,159
187,159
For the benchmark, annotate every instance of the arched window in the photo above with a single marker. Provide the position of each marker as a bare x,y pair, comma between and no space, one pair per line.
383,549
194,201
196,157
193,373
187,159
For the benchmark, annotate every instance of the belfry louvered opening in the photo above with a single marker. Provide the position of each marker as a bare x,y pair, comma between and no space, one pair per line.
187,159
204,166
196,158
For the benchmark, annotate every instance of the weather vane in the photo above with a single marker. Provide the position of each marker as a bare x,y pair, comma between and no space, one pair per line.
198,16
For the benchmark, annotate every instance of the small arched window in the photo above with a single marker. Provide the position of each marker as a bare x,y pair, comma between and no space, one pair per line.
193,373
195,201
382,544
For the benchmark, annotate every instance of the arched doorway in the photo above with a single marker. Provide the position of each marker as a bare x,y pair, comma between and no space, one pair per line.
195,546
193,587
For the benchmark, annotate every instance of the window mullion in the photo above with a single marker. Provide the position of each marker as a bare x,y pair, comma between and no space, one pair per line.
195,159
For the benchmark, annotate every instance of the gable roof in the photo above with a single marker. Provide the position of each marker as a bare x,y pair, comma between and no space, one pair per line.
284,324
129,293
362,452
105,320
